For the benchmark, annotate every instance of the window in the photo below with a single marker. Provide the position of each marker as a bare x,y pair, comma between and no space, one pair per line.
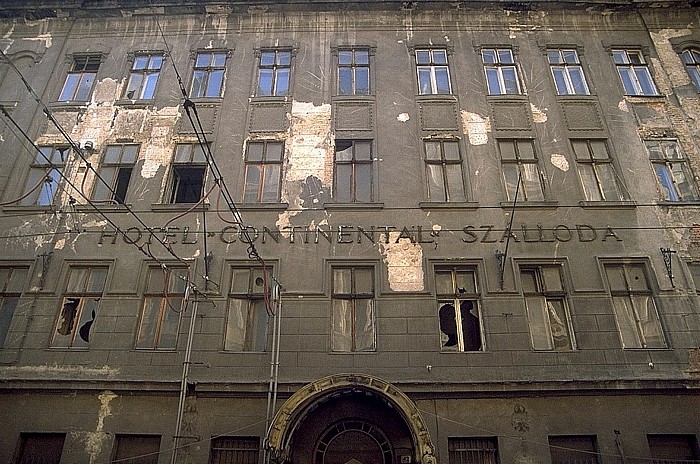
235,450
596,170
547,312
12,281
501,73
472,450
274,73
246,320
162,305
694,268
144,76
353,171
115,169
79,307
573,449
44,175
136,449
189,169
691,58
353,317
433,73
263,166
671,168
634,72
80,79
458,309
673,449
520,166
567,72
634,307
40,448
443,162
353,72
208,76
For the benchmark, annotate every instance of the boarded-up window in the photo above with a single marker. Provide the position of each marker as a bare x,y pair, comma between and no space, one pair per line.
12,281
472,450
247,316
136,449
40,448
573,449
353,317
235,450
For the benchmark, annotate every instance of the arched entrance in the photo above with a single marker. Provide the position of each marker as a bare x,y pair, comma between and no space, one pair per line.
349,419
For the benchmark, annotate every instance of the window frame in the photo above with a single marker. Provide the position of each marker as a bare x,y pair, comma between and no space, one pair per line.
354,164
546,296
118,185
80,88
206,71
691,59
240,445
521,163
472,450
28,442
12,286
276,69
430,172
353,66
353,298
121,455
671,192
626,65
144,75
455,298
566,67
432,67
595,166
500,68
568,452
46,166
194,161
252,299
263,165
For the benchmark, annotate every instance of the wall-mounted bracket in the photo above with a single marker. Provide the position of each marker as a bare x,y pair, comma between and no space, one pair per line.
501,258
667,253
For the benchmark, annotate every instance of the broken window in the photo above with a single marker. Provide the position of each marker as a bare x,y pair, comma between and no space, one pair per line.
247,315
634,72
578,449
501,72
672,172
235,450
12,281
458,309
596,170
520,166
40,448
547,311
691,58
188,172
274,72
115,170
79,307
443,162
263,166
433,72
567,72
353,319
353,72
472,450
208,74
353,171
634,306
136,449
42,184
163,304
673,449
80,79
145,71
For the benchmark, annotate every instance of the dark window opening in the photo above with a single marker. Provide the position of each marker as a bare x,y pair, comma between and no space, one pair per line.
235,450
40,448
136,449
188,182
573,449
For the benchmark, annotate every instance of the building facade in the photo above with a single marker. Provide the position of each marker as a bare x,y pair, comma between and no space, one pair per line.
349,232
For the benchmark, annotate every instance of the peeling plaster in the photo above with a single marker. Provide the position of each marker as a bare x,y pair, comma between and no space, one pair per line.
94,441
673,66
60,244
404,262
559,161
403,117
622,106
476,126
46,38
538,115
159,150
7,36
51,371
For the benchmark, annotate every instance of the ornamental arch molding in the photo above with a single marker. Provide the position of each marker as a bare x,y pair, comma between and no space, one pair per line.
293,412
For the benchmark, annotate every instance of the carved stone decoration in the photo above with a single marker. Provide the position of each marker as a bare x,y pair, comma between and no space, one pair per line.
354,116
439,116
207,116
513,116
520,418
582,116
268,117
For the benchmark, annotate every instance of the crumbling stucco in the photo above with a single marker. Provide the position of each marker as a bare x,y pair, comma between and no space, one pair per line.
538,115
403,117
672,67
53,371
559,161
95,441
476,127
404,263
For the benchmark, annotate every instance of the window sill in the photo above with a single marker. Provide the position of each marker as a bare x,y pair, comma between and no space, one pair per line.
207,100
263,206
155,350
608,204
577,96
448,205
134,104
29,208
355,98
165,207
111,207
69,105
680,203
519,97
436,97
529,204
353,206
271,98
644,98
